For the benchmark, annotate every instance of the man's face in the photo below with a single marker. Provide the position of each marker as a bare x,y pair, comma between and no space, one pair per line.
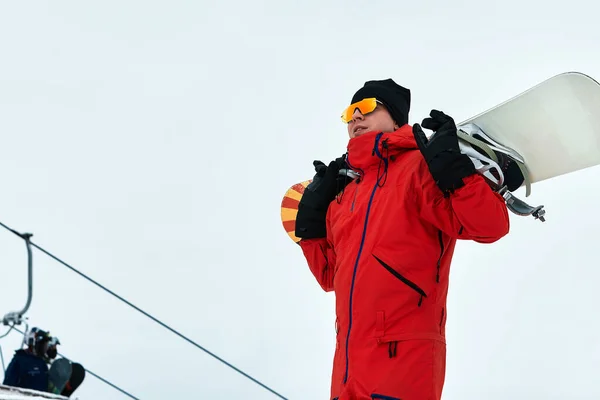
378,120
52,352
41,347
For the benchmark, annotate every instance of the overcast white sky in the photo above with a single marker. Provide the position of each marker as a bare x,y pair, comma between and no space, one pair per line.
149,144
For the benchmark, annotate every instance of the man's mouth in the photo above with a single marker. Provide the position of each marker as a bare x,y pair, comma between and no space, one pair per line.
359,129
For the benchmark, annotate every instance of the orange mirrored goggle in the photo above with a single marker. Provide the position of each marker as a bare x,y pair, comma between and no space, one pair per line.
365,106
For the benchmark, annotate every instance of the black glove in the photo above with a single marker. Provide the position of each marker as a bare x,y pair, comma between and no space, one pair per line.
312,210
446,163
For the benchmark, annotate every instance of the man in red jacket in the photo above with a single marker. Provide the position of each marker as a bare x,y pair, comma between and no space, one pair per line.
384,242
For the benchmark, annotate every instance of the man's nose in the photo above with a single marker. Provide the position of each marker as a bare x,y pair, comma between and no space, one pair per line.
357,115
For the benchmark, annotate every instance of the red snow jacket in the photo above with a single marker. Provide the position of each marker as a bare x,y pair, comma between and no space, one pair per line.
390,239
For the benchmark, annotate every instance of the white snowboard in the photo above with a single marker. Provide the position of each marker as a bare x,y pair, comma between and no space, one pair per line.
553,127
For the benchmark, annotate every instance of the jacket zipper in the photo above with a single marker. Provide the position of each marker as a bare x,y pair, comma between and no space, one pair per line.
360,249
406,281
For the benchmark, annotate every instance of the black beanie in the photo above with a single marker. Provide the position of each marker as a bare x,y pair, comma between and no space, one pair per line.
393,96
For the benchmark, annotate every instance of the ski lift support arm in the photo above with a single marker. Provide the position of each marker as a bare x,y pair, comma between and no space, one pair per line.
16,317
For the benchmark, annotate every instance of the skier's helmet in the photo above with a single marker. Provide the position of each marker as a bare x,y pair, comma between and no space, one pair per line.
30,336
38,340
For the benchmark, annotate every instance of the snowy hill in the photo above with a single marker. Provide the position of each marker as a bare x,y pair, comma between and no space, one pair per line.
11,393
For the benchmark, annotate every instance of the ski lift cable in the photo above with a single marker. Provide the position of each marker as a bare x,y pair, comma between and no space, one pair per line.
91,373
8,331
146,314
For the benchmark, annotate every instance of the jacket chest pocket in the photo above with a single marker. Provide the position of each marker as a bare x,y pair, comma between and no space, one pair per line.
416,288
376,396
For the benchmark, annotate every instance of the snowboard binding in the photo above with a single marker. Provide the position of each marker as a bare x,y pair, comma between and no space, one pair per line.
519,207
502,167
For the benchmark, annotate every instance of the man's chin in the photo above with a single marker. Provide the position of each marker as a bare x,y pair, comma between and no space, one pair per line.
360,133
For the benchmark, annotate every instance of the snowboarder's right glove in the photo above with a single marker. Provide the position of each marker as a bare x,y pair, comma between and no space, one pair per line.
446,163
312,210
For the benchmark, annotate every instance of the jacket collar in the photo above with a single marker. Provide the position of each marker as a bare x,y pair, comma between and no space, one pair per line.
370,148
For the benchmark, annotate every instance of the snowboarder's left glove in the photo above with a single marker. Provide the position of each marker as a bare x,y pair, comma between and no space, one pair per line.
447,164
312,210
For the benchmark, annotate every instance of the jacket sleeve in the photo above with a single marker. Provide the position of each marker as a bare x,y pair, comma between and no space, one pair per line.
320,257
473,212
11,376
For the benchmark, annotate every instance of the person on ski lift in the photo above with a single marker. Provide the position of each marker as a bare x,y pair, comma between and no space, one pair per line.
52,351
28,368
384,241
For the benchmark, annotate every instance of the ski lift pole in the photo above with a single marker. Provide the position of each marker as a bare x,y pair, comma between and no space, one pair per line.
16,317
2,358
